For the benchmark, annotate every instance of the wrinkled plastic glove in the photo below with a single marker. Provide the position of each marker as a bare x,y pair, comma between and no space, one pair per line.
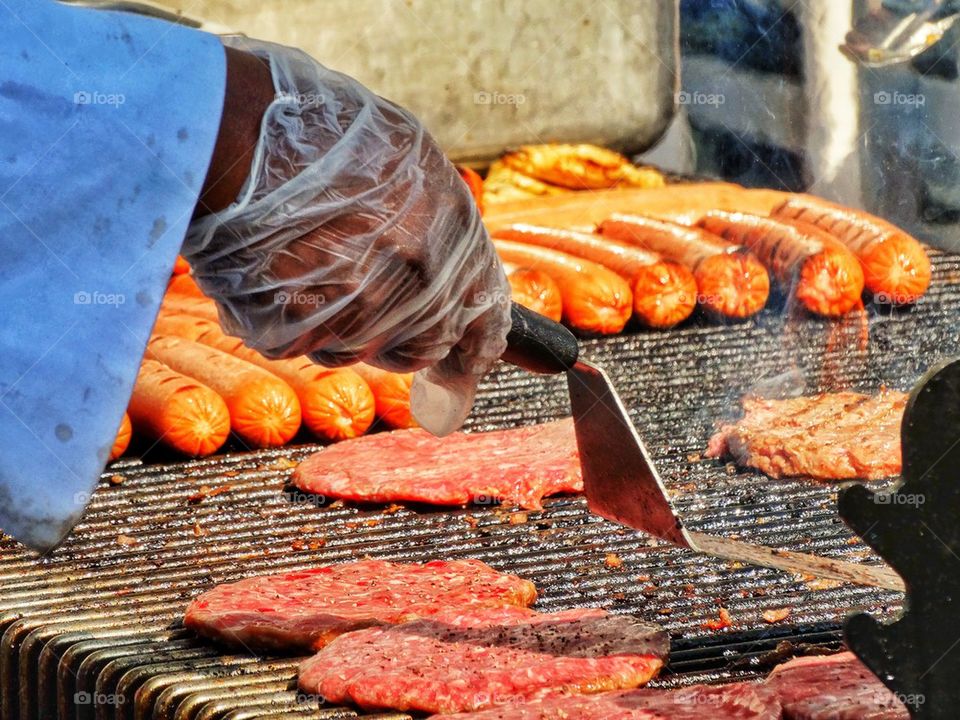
354,239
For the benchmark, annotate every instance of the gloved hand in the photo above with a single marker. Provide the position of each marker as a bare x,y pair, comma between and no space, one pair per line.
355,239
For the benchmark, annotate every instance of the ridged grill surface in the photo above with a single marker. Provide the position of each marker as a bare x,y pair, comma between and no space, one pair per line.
93,630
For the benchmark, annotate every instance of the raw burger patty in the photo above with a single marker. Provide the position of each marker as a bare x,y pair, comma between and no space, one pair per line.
517,467
472,659
743,701
303,611
834,436
837,687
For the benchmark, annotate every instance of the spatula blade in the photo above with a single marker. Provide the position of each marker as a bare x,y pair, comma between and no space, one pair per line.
619,479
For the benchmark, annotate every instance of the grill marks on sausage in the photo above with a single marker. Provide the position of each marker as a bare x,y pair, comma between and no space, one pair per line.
832,436
517,467
302,611
457,661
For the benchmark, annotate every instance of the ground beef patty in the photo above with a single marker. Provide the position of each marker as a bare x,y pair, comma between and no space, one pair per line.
833,436
303,611
472,659
837,687
516,467
742,701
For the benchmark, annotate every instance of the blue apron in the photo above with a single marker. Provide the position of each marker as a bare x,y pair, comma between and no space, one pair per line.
107,125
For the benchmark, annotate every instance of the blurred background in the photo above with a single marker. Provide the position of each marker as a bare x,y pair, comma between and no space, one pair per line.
758,92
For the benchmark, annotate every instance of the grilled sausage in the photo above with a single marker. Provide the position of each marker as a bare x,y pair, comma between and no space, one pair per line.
664,293
595,299
730,280
895,267
817,269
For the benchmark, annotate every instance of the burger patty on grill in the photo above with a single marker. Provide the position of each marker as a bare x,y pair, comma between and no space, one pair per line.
517,467
472,659
741,701
836,687
833,436
303,611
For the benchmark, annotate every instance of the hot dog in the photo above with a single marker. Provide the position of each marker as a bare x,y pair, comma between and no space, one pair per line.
122,441
595,299
664,293
177,410
337,404
730,280
809,263
536,290
264,410
391,392
895,267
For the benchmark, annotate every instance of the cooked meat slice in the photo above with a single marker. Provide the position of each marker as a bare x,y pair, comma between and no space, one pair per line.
833,436
742,701
518,467
837,687
473,659
303,611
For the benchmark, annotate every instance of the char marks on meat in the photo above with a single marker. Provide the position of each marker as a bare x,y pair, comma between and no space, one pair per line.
742,701
469,660
302,611
518,467
837,687
833,436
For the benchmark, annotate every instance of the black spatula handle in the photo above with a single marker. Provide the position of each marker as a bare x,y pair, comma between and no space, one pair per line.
539,344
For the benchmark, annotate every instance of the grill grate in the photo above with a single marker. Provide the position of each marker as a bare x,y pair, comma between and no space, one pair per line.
93,631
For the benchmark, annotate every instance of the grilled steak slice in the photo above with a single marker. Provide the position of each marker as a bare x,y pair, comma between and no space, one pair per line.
743,701
303,611
834,436
518,467
472,659
838,687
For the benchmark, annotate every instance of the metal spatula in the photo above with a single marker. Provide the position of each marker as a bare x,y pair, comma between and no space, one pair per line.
620,480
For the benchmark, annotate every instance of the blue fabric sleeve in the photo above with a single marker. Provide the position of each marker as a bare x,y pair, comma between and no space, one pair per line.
107,124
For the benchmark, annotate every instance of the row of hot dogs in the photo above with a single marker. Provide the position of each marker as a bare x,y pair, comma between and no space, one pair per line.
824,257
196,385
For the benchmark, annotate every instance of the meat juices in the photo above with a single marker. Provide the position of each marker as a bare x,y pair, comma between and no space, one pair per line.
458,661
518,467
303,611
833,436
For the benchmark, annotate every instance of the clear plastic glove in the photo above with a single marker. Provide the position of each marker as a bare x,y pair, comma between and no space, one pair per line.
355,239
